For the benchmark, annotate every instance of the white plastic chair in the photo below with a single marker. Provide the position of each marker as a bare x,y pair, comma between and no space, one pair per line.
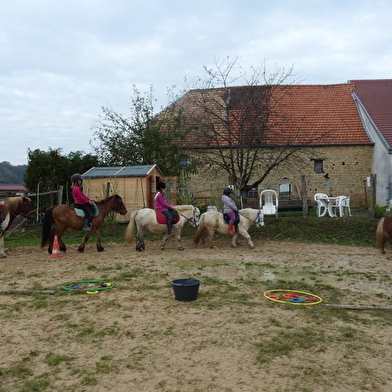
269,202
322,204
343,205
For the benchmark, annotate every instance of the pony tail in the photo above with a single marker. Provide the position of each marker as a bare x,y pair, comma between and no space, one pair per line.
130,232
47,227
200,231
381,234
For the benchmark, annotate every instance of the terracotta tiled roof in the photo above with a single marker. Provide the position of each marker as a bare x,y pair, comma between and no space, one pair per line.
299,114
13,187
376,97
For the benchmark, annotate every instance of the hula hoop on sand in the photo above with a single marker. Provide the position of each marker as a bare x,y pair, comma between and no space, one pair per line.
93,285
310,300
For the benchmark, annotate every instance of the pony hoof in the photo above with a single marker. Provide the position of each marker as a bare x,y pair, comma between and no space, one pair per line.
181,248
233,245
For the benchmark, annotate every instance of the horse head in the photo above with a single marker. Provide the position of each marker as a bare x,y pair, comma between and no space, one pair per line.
259,220
26,208
20,205
120,206
195,217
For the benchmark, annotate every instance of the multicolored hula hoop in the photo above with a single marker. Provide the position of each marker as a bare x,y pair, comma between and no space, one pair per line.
93,285
294,299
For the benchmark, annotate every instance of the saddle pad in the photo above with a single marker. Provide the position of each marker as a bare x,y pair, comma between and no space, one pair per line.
163,220
80,212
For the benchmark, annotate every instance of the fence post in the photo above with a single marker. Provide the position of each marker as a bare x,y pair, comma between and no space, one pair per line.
372,207
60,195
304,193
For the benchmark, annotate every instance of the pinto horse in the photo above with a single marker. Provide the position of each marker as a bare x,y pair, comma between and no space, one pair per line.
146,220
10,208
212,221
384,233
60,218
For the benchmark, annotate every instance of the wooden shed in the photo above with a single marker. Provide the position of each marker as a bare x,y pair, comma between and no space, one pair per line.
135,184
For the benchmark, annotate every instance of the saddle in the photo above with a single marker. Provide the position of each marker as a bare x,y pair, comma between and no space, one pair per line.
161,219
226,218
80,212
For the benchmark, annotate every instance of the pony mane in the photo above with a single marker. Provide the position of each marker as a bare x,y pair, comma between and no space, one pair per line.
182,207
14,202
106,199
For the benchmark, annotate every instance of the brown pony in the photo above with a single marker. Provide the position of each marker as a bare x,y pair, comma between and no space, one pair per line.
10,208
384,233
60,218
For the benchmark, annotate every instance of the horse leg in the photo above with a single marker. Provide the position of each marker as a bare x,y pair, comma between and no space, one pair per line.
210,236
233,239
246,235
2,252
382,244
179,243
165,237
100,248
83,244
61,244
140,245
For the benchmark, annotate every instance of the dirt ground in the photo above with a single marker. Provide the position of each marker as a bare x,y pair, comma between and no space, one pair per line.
136,337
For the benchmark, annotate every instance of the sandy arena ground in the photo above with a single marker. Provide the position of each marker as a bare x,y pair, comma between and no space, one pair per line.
137,337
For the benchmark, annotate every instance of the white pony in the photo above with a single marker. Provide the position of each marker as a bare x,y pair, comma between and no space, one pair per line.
213,220
145,220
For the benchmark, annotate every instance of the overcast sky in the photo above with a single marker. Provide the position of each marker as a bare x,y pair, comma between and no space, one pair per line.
61,61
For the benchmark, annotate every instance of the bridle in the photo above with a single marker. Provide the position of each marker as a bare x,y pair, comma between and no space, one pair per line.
193,221
258,221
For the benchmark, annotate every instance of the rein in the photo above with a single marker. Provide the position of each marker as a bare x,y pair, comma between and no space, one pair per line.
18,212
257,220
190,219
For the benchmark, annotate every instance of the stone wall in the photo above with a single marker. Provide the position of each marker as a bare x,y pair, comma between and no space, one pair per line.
345,171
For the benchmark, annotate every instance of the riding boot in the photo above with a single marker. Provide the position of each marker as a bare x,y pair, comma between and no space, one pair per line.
169,228
86,224
231,229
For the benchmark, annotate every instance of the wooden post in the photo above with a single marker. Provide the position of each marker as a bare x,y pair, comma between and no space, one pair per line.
372,207
27,291
60,195
304,193
359,307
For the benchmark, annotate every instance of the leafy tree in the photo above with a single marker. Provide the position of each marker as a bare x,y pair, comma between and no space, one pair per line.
10,174
141,139
50,169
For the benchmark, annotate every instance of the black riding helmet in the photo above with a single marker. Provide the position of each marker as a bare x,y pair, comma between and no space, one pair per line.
161,185
227,191
75,177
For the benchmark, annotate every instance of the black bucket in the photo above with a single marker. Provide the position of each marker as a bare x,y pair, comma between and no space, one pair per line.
186,289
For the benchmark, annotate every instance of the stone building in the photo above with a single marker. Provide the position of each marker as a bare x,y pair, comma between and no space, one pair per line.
331,150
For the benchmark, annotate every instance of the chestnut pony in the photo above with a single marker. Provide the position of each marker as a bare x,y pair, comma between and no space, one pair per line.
384,233
10,208
60,218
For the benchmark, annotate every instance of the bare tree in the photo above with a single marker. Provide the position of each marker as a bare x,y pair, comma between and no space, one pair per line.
233,120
